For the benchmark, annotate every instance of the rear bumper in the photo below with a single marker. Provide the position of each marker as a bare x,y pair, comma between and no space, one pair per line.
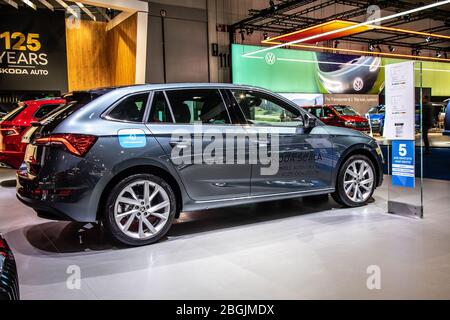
54,203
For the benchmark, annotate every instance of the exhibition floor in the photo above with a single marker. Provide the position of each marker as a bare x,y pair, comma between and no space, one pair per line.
280,250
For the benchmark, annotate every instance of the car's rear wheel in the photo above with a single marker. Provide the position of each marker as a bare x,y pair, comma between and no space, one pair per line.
140,210
356,182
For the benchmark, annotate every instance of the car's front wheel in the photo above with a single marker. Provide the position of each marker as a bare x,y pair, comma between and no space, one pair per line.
356,182
140,210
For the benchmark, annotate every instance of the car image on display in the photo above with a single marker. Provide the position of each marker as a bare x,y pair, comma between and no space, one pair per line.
347,74
108,155
340,116
15,124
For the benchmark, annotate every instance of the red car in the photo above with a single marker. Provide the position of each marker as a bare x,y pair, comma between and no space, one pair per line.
340,116
16,123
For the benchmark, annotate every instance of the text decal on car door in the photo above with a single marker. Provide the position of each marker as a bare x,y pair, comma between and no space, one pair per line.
132,138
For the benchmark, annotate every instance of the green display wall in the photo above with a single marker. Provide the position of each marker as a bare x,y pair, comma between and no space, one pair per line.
295,71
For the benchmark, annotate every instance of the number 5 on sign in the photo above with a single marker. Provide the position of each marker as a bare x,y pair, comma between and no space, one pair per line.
402,151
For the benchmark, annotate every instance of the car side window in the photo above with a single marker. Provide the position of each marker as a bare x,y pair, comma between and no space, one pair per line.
44,110
198,105
160,110
264,109
130,109
328,113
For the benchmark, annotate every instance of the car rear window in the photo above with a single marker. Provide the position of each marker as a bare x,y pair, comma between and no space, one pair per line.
14,113
130,109
74,102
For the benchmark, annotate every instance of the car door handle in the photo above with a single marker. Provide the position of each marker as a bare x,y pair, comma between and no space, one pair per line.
180,144
262,143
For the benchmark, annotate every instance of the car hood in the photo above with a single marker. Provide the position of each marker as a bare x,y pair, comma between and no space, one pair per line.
354,118
341,131
376,116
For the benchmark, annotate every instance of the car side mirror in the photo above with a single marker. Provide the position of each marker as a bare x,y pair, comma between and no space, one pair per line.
310,122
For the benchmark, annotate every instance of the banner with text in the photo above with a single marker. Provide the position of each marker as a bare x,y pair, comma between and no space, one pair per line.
32,50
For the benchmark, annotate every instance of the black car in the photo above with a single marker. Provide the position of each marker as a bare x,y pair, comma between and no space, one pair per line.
9,282
135,157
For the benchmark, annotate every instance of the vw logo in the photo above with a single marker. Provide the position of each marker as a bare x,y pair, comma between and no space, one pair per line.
270,58
358,84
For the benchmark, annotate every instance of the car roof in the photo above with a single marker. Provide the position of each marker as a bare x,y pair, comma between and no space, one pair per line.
169,86
44,101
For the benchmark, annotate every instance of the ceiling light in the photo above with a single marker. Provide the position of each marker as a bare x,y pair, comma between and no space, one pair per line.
273,6
391,49
371,47
29,3
438,54
266,36
429,39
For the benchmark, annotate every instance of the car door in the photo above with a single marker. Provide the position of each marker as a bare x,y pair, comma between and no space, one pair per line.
304,157
194,128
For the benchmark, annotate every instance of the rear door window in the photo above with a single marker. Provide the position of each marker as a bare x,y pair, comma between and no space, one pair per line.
130,109
198,105
45,110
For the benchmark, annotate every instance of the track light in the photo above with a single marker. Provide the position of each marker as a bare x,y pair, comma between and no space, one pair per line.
336,44
266,36
273,6
438,54
416,51
391,49
242,32
371,48
429,39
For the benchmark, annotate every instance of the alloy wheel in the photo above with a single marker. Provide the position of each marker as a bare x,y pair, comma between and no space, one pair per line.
142,209
359,181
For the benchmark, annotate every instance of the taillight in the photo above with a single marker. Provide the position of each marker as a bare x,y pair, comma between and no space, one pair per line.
77,144
11,131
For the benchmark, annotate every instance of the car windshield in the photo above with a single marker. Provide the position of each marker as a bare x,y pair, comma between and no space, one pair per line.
346,111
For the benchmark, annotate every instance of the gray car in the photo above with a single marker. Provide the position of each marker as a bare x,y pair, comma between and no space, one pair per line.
135,157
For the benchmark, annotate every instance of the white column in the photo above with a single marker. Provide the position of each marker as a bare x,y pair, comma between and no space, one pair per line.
141,46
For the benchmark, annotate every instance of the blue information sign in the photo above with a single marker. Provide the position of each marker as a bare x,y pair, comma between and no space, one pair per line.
403,163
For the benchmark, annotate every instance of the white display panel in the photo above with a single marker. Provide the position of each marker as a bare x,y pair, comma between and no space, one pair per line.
400,101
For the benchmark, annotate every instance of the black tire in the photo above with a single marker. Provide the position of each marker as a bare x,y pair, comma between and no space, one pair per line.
109,215
340,196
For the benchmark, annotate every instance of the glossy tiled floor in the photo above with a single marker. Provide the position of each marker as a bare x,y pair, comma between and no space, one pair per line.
281,250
